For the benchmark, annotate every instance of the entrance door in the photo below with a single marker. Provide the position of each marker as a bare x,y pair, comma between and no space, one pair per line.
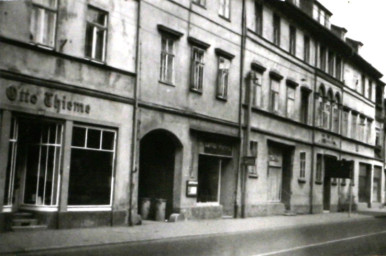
326,193
209,179
156,172
34,163
364,183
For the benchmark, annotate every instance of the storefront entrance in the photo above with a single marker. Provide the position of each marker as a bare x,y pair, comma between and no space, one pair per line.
32,175
158,150
364,186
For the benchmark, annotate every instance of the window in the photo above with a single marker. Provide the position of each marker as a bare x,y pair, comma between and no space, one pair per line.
43,22
200,2
377,136
258,18
319,169
370,90
197,72
274,95
363,84
292,40
331,63
96,34
256,89
167,60
377,177
307,49
222,77
322,57
276,29
296,2
327,114
354,118
320,108
224,10
345,123
290,102
304,106
252,170
338,68
335,118
92,166
362,127
368,132
302,172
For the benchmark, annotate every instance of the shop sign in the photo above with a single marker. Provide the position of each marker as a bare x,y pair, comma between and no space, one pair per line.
249,160
50,100
191,188
217,149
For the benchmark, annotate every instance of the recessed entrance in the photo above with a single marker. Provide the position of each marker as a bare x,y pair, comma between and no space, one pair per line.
158,150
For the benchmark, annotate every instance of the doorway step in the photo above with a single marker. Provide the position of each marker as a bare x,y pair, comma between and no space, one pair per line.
289,213
25,221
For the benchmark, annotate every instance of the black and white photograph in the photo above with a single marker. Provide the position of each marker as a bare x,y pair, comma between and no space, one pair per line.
193,127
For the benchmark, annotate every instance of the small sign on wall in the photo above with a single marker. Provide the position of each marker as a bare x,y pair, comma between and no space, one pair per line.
191,188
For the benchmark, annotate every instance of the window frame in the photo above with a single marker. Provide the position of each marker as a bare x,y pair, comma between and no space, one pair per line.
224,10
289,99
273,104
319,169
200,64
222,78
165,54
39,32
96,28
302,166
258,18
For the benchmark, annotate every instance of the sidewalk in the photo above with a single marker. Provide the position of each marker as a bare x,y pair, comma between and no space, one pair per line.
13,242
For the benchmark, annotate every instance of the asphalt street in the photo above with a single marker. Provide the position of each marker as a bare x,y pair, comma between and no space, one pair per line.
365,237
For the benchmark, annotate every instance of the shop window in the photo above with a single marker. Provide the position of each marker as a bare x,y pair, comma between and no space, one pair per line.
222,77
43,22
11,165
319,169
302,171
292,40
276,29
167,59
224,10
258,18
290,102
307,49
197,69
274,95
256,89
92,166
96,34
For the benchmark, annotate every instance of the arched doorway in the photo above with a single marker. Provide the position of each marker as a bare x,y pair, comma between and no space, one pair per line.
158,160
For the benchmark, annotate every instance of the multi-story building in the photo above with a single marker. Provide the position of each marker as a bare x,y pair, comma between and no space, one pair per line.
67,77
206,108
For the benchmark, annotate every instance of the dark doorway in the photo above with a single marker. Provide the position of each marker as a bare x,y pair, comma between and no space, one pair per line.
157,163
364,188
326,193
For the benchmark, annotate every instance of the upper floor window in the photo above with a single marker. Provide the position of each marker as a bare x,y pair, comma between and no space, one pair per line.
223,77
354,118
362,128
274,95
322,58
258,18
368,132
331,63
43,22
276,29
370,90
345,123
319,168
338,68
224,10
304,105
292,40
200,2
256,89
197,72
167,59
290,102
307,47
363,84
96,33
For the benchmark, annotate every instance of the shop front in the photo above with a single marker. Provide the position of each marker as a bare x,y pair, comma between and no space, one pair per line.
59,158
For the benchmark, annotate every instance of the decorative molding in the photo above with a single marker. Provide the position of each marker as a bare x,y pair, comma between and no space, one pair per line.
258,67
291,82
169,31
275,75
224,53
198,42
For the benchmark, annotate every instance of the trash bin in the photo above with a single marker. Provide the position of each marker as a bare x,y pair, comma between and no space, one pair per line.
159,209
145,208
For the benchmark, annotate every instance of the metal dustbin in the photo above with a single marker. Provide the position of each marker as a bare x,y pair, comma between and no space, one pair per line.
159,209
145,203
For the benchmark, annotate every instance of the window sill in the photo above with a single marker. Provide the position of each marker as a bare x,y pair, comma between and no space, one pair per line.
196,91
253,175
43,46
318,182
95,61
166,83
224,99
224,18
302,180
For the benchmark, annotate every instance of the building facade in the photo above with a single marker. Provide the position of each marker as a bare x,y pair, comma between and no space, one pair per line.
207,109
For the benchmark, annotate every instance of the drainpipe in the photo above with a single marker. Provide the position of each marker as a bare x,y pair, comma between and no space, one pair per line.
133,167
313,145
242,175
